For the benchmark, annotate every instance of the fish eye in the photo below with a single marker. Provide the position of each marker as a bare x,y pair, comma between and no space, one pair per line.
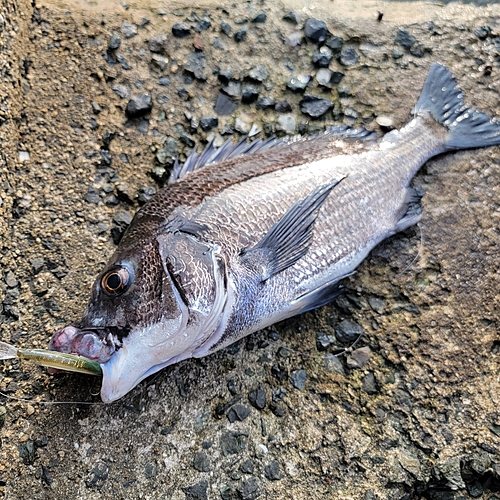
116,281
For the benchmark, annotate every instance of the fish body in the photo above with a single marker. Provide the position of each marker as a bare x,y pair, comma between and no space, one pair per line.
248,235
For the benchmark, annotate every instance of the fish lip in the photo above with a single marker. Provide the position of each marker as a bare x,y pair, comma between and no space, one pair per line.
97,344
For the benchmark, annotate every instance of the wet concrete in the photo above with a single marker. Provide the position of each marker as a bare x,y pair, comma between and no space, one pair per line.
419,420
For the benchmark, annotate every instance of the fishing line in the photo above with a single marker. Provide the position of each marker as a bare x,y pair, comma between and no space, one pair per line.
31,401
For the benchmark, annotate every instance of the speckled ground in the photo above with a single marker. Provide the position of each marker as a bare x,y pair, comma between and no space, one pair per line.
414,414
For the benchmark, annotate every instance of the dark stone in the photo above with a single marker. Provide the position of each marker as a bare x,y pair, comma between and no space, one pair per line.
348,331
260,18
114,41
322,57
164,81
188,141
46,477
208,123
266,102
333,364
226,28
241,34
377,304
97,476
277,373
323,341
298,379
348,57
120,58
368,383
335,44
483,32
315,30
315,106
122,218
405,39
247,467
198,491
201,462
27,452
117,234
238,413
158,44
249,490
232,443
92,196
224,76
181,30
145,193
139,106
129,29
37,264
121,91
196,66
220,409
417,50
150,470
272,471
359,357
202,25
257,398
249,95
277,410
283,106
292,17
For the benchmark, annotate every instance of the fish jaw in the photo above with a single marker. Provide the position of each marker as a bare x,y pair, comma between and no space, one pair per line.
144,352
97,345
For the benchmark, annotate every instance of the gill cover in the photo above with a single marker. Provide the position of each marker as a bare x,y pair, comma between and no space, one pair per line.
194,272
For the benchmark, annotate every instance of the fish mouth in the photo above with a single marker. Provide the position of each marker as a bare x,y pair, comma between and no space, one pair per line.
95,344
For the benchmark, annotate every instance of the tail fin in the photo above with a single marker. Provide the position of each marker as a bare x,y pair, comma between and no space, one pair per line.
468,127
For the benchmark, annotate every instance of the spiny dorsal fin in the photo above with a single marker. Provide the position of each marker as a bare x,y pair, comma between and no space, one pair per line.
289,239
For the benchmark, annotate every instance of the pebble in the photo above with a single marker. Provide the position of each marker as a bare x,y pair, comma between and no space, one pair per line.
298,82
260,18
121,91
266,102
224,106
240,35
197,491
249,94
298,379
232,88
483,32
232,443
324,341
323,77
202,25
259,73
238,413
3,415
333,364
315,106
196,65
114,41
139,106
24,156
129,29
226,28
164,81
97,476
122,218
198,42
283,106
417,50
201,462
335,44
247,467
125,192
37,264
158,44
368,383
388,123
294,39
315,30
292,17
10,279
287,123
359,357
272,471
181,30
348,57
257,398
348,331
242,126
249,490
322,57
208,123
405,39
159,62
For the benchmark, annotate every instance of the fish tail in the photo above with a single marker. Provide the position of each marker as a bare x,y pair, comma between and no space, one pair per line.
467,127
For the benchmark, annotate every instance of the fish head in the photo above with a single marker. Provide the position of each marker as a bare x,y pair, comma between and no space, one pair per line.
148,309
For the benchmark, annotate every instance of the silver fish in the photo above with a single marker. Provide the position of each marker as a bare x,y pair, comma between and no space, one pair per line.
247,235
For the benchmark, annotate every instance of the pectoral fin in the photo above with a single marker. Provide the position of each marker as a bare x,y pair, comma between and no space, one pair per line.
289,239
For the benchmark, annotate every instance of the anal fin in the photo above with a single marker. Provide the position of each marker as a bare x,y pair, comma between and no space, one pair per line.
289,239
413,212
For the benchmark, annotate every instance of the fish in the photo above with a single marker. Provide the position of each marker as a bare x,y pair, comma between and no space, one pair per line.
51,359
247,235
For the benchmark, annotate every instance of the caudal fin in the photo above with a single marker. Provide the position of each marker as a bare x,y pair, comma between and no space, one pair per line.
468,127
